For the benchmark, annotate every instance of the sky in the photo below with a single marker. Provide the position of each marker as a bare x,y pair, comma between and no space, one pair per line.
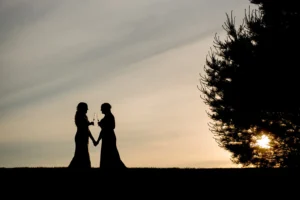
142,56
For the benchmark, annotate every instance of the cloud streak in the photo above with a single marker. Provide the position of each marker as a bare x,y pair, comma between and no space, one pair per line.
83,41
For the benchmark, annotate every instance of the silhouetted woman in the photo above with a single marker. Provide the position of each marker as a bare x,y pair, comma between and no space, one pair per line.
81,157
109,156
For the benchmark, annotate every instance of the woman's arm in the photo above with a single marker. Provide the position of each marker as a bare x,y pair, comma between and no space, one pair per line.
99,137
91,136
82,121
91,123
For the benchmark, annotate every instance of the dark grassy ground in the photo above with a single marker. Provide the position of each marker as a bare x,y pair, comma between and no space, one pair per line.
154,174
159,183
194,173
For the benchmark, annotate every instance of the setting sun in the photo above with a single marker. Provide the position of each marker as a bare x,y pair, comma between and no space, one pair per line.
263,142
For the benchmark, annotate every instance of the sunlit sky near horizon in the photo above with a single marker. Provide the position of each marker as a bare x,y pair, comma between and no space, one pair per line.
142,56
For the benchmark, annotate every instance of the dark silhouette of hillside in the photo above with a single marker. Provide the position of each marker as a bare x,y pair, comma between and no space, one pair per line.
152,183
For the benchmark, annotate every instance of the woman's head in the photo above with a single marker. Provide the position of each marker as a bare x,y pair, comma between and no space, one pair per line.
82,107
105,108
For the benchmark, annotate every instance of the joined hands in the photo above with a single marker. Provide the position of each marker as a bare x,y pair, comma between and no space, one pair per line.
95,143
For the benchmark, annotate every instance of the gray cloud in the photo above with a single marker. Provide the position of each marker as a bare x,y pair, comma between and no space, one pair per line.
63,45
15,17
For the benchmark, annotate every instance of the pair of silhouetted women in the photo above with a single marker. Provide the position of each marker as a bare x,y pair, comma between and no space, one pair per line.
109,156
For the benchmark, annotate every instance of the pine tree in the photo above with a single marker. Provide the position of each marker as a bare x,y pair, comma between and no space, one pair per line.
251,86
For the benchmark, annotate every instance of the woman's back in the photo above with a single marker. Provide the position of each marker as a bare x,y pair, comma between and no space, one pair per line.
81,121
82,124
